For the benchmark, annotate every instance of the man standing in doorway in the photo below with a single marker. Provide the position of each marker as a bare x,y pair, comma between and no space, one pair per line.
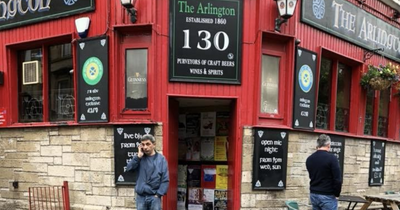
325,176
152,175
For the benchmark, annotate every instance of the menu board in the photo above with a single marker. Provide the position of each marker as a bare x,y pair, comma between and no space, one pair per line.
92,64
206,40
304,89
377,163
269,159
126,142
337,148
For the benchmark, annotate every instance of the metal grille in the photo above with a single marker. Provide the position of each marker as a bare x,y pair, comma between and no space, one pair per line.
49,198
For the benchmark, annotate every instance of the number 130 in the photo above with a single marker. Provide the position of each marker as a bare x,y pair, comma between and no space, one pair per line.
206,40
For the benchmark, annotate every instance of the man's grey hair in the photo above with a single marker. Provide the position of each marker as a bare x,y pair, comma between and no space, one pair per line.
149,137
323,141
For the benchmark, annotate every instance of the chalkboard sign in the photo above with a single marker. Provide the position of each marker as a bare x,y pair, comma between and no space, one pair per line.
337,148
270,159
92,63
377,163
206,40
126,142
304,89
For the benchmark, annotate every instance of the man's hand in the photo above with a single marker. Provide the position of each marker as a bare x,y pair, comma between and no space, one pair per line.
140,151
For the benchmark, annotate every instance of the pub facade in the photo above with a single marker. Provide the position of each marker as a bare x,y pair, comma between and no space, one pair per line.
235,92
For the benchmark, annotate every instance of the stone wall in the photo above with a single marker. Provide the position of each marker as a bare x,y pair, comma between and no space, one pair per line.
300,146
82,155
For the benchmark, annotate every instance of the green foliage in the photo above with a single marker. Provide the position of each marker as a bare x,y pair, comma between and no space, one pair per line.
381,77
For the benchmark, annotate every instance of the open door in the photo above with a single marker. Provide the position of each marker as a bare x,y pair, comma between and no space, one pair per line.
234,159
170,144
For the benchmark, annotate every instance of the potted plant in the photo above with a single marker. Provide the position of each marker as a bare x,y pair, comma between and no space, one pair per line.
381,77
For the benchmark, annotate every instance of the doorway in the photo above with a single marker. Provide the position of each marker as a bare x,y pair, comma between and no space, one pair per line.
201,153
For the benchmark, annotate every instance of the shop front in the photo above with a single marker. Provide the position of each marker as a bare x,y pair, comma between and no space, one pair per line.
235,92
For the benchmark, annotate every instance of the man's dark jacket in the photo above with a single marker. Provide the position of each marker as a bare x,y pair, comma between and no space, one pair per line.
325,174
152,174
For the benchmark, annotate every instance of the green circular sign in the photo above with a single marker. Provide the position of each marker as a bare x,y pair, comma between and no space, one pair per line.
92,71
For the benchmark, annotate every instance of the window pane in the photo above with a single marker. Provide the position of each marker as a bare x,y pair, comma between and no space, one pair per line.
61,87
30,100
343,98
136,79
369,112
383,112
269,84
322,120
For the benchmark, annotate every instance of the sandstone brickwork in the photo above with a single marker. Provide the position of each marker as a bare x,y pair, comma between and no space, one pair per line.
300,146
83,156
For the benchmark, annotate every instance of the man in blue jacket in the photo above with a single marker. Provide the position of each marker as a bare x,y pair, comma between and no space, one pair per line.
325,176
152,175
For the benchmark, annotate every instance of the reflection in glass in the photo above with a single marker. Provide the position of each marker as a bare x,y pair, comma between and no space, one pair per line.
343,98
369,112
61,87
30,100
136,79
322,119
269,84
383,112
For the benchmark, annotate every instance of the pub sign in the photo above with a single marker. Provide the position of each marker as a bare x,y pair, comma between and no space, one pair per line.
304,89
270,159
377,163
15,13
126,142
92,64
350,22
205,41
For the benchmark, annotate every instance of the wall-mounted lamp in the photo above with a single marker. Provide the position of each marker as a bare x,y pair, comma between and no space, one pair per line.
297,42
286,9
82,26
130,8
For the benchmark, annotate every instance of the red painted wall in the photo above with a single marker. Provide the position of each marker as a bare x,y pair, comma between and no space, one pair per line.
112,19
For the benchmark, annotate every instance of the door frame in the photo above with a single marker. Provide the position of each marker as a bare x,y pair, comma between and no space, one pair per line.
170,142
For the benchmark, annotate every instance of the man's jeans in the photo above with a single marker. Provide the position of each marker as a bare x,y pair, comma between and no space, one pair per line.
323,202
148,202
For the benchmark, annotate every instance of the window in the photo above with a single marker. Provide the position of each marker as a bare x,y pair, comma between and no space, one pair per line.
46,91
333,108
383,113
380,128
136,79
135,67
343,98
322,120
270,85
369,112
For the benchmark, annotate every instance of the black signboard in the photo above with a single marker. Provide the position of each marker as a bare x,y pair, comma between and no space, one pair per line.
337,148
205,41
92,64
270,159
126,142
377,163
304,89
15,13
350,22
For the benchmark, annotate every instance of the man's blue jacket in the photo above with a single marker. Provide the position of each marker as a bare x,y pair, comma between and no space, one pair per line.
152,175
